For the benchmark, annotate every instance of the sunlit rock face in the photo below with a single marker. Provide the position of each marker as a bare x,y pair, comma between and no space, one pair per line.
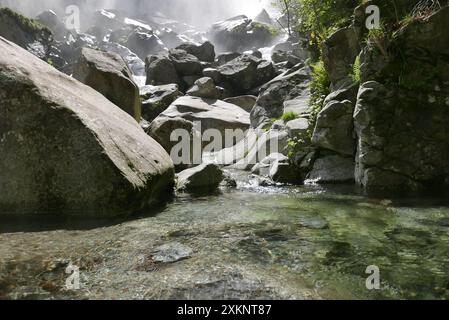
67,150
108,74
401,125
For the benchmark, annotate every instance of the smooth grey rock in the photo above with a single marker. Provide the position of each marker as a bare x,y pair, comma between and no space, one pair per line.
334,128
67,150
188,113
108,73
332,169
239,34
205,177
135,64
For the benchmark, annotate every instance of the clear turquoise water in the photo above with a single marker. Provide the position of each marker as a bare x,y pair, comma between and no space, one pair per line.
309,243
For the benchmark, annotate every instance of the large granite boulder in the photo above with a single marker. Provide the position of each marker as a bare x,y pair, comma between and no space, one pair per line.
162,129
225,57
160,70
209,114
108,73
403,139
246,72
204,52
253,148
67,150
185,63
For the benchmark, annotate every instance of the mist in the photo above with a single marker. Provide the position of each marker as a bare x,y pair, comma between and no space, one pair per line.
199,13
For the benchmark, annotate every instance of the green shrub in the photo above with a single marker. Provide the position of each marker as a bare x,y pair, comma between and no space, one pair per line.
289,116
28,24
320,89
356,74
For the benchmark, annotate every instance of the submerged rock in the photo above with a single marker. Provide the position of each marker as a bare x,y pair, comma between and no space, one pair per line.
67,150
108,73
205,177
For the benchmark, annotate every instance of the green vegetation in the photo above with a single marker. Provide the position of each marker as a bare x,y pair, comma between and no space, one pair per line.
262,27
320,89
294,145
289,116
28,24
356,72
